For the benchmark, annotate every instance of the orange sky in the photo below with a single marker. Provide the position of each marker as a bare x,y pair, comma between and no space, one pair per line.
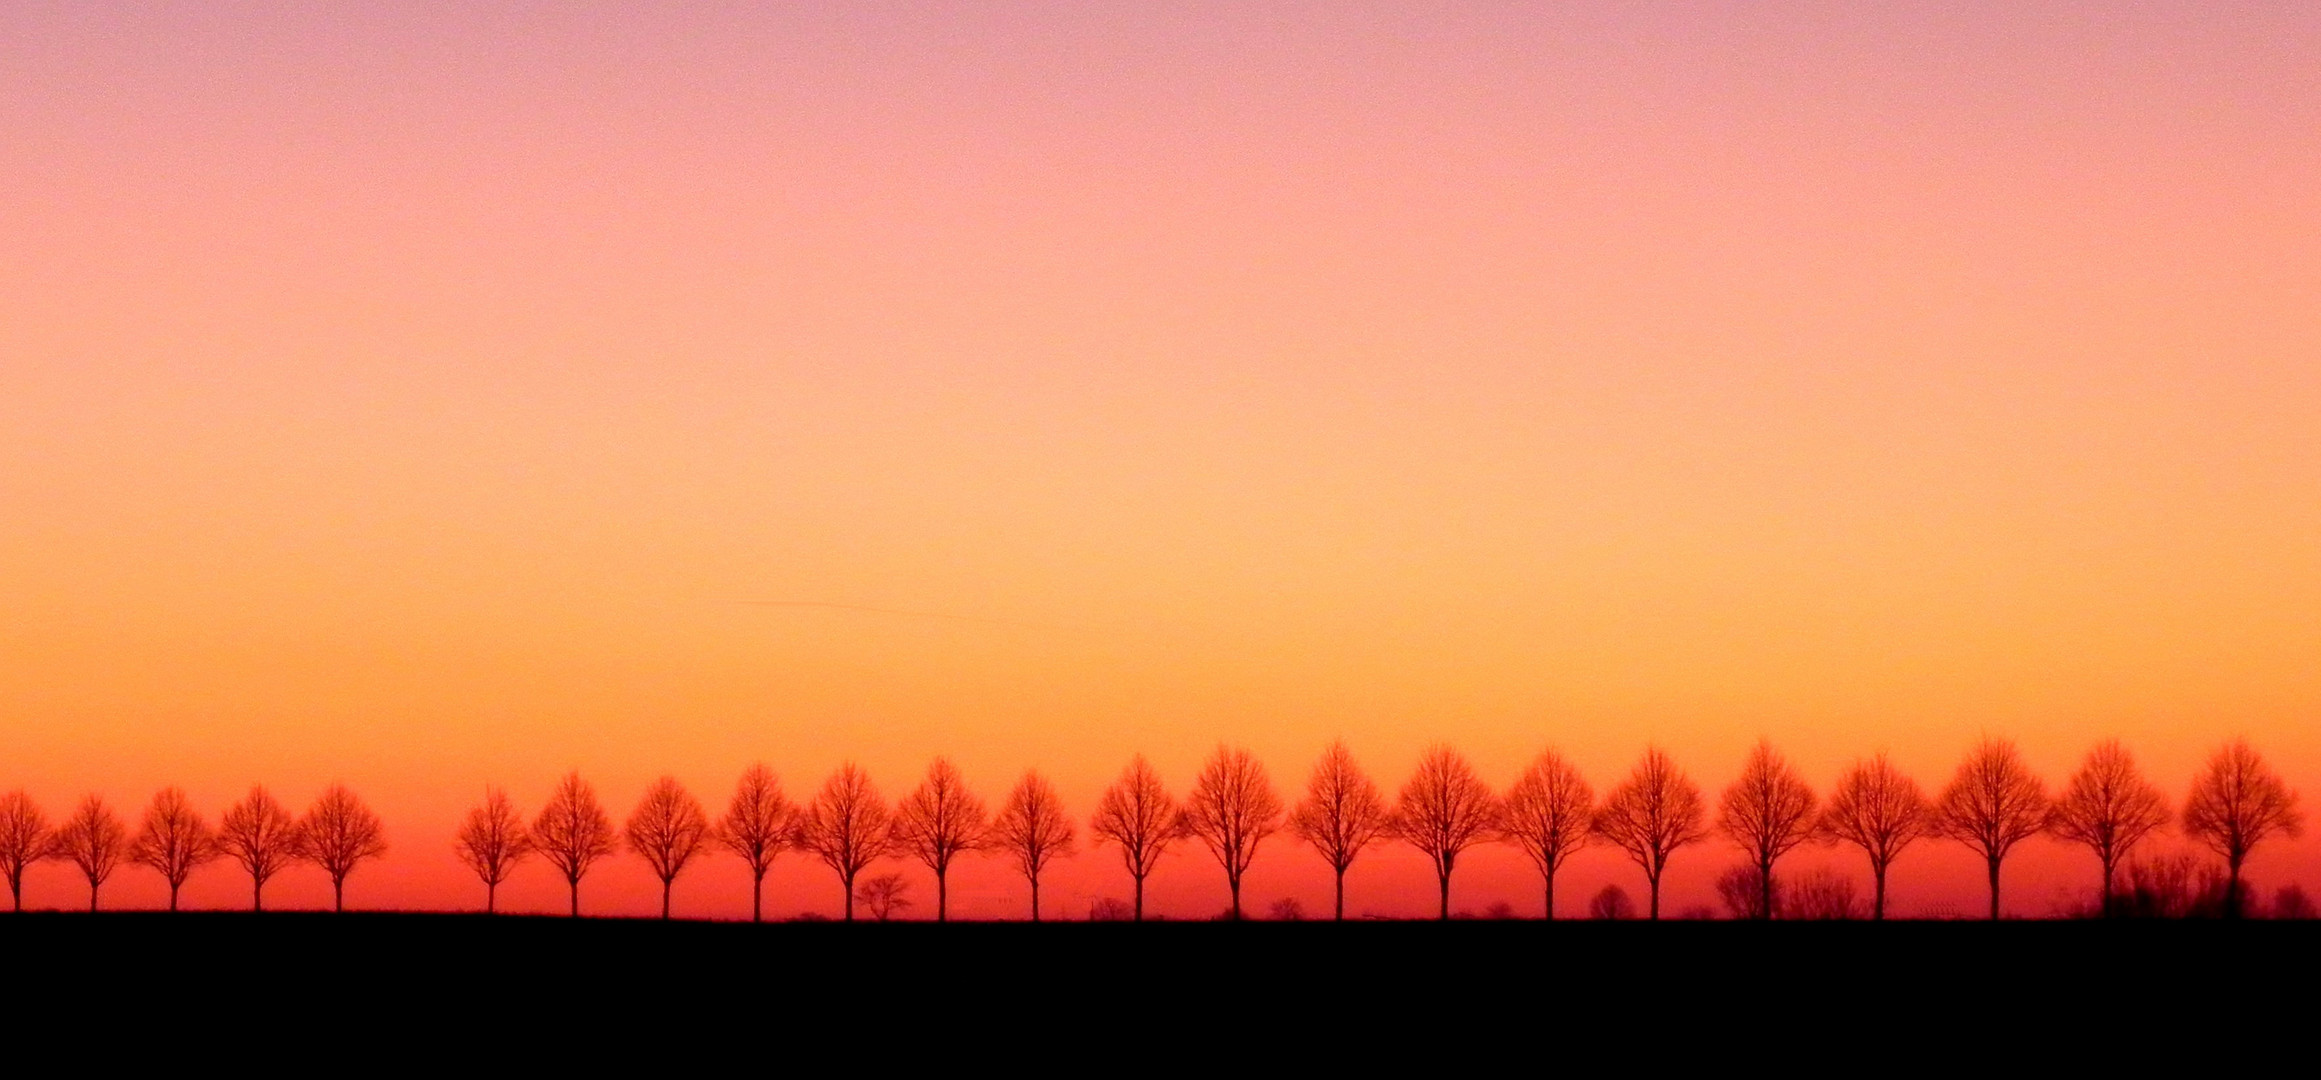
410,397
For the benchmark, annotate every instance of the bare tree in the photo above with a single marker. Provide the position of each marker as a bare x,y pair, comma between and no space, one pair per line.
2109,808
25,839
2236,803
491,842
757,828
847,827
1654,812
573,832
1231,810
1137,813
1548,814
1033,830
94,840
938,822
1442,811
1341,813
1879,810
1768,812
884,896
667,829
1992,804
260,835
174,840
1110,909
337,834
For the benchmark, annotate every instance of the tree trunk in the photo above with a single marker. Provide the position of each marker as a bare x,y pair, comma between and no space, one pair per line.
257,894
1878,907
338,894
757,892
92,894
1139,897
942,897
1234,883
491,897
16,890
1765,890
1653,882
1443,883
1547,905
665,899
1341,910
173,894
1035,898
2232,887
2107,876
575,897
1994,889
848,881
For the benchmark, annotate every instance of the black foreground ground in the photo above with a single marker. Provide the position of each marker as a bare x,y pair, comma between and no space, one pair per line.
1671,980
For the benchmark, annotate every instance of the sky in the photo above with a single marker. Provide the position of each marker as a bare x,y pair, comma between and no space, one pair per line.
429,397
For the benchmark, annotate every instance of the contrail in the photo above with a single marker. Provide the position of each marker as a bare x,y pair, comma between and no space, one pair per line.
832,605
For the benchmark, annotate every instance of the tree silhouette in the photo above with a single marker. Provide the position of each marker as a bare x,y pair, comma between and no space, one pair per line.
1610,903
24,839
491,842
2236,803
1879,810
1033,830
884,896
1548,814
2109,808
1231,810
938,822
261,836
1992,804
1442,811
847,827
337,834
573,832
173,840
1110,909
1743,890
667,829
1341,813
757,828
94,840
1768,811
1137,814
1655,811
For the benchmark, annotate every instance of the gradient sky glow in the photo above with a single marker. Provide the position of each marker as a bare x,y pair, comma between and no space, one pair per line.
412,395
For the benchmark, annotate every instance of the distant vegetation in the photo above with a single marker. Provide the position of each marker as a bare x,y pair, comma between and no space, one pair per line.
1990,805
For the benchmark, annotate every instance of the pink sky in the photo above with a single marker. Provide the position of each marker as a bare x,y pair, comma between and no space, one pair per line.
403,395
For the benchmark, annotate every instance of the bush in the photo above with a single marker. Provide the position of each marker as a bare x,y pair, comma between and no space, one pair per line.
1740,889
1612,903
2290,902
1822,894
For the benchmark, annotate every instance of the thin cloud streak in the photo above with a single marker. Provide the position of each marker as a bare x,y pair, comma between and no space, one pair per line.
835,606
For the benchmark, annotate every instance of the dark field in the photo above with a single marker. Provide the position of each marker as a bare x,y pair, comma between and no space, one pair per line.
442,968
